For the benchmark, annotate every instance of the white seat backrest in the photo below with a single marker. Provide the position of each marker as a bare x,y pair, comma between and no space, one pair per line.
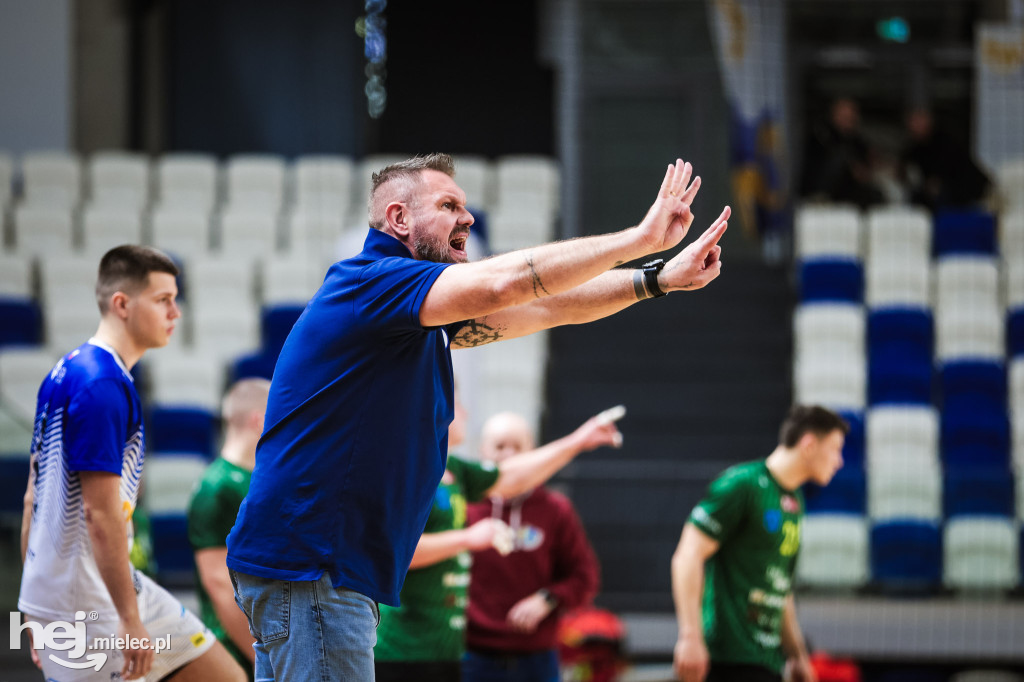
223,282
828,231
290,280
1010,179
22,370
120,179
15,277
6,178
902,430
248,234
256,181
1016,376
312,233
52,178
839,383
475,176
69,280
966,280
185,379
104,227
224,333
517,227
170,480
527,175
188,181
829,329
898,281
181,231
44,230
970,332
902,230
324,183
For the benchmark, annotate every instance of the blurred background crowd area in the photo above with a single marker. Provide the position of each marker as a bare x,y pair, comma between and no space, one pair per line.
873,153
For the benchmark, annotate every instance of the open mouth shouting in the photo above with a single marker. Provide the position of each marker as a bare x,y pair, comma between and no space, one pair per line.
457,243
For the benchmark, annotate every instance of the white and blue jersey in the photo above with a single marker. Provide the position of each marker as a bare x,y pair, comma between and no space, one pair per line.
88,418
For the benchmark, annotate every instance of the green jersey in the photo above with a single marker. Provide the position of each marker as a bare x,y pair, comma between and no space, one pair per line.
211,514
430,624
757,524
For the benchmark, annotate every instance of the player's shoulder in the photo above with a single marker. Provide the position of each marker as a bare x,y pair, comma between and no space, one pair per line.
741,475
87,365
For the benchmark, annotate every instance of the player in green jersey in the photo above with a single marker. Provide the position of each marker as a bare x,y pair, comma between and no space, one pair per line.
212,511
423,639
733,569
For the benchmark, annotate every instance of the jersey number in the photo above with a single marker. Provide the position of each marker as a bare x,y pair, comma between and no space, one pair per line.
790,538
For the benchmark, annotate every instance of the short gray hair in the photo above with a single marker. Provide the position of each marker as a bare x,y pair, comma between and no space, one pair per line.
408,173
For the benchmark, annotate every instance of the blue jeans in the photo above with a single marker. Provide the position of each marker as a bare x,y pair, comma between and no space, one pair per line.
308,630
478,666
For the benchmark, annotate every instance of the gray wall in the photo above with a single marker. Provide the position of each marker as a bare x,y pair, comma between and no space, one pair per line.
35,74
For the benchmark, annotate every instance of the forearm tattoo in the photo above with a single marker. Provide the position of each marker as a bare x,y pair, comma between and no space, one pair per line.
538,285
477,333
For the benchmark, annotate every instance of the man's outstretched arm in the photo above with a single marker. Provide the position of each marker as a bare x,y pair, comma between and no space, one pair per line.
608,293
469,291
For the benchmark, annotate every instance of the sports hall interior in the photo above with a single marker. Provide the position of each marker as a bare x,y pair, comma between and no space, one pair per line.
240,135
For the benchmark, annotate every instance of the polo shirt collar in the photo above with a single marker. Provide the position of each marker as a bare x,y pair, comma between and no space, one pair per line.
379,244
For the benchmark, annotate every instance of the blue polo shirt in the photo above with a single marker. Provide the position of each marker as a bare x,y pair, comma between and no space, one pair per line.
356,431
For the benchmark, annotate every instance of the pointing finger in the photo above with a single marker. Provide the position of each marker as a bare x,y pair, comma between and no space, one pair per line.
666,183
714,233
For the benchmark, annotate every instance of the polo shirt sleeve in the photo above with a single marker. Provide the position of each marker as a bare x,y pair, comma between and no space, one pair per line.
211,515
393,289
477,477
96,427
720,514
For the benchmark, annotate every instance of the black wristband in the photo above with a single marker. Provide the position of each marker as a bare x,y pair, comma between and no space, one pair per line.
546,595
651,271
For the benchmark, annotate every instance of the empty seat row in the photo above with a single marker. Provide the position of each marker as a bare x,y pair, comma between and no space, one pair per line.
264,181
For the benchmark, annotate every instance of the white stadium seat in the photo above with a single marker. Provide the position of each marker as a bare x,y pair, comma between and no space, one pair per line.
107,226
120,179
189,181
290,281
902,432
838,383
833,550
904,488
828,330
323,183
15,277
248,234
475,176
185,379
824,231
169,481
21,372
182,232
980,553
256,182
51,179
42,231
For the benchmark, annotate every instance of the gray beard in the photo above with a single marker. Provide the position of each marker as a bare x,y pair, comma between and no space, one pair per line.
431,249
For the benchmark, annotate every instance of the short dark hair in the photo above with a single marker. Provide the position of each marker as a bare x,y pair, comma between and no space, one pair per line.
409,170
803,419
126,268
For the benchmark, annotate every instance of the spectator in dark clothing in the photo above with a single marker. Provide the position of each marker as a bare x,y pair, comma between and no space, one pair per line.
838,160
939,171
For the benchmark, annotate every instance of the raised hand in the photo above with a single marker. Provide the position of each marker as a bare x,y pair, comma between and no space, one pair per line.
699,263
669,217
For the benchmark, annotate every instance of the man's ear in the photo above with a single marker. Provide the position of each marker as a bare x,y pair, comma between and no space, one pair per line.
396,215
806,442
119,304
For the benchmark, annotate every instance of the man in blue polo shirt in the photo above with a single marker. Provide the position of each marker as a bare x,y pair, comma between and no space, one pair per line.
356,426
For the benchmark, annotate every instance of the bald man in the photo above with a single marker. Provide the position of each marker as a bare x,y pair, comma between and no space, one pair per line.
212,512
514,599
424,638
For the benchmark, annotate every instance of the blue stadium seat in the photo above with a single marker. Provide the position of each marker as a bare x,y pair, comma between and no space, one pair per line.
275,324
259,365
900,347
978,490
974,434
845,493
906,555
829,279
172,552
981,381
181,429
1015,332
13,479
964,231
853,447
20,323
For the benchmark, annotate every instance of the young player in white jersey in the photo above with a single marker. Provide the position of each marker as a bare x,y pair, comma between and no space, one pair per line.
79,592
